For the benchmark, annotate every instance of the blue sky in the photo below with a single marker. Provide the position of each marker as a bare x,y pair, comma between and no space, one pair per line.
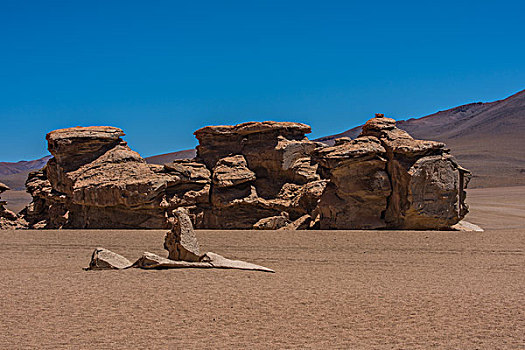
162,69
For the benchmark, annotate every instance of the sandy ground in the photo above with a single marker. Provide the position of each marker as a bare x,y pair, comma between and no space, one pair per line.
332,289
16,200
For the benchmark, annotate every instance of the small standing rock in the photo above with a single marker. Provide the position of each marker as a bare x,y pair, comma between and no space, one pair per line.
181,242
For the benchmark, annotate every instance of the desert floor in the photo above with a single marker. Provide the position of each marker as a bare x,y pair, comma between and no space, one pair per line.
331,289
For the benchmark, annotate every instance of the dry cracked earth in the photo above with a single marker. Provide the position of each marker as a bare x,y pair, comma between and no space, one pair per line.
331,289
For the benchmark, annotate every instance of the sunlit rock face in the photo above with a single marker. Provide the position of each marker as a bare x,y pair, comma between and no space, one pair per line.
94,180
386,179
264,175
260,169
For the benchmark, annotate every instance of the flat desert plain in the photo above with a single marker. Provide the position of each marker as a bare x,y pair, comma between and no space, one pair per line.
331,289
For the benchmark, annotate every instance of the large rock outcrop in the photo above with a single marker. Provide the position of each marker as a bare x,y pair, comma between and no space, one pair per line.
386,179
94,180
260,169
264,175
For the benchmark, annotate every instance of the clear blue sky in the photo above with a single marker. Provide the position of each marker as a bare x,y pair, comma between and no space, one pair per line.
162,69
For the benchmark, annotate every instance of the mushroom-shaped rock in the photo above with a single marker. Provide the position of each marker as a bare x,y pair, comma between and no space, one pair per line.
104,259
181,242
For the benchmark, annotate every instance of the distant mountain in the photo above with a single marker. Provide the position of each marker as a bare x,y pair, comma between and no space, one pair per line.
14,174
9,168
170,157
487,138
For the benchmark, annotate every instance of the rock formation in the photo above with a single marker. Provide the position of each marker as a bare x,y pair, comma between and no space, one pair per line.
181,242
8,219
260,169
386,179
264,175
183,252
104,259
96,181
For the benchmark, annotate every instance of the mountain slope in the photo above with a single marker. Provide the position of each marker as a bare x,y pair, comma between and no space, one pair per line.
487,138
9,168
170,157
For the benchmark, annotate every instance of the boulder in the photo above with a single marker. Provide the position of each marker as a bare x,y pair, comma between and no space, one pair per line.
154,261
303,223
272,222
181,242
466,227
386,179
104,259
209,260
359,187
232,171
428,186
220,262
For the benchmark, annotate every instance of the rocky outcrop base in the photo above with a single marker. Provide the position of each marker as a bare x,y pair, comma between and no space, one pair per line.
103,259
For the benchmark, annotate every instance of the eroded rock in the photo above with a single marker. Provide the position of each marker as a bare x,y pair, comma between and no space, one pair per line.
181,242
153,261
359,187
303,223
467,227
249,174
104,259
386,179
218,261
272,222
209,260
427,183
96,181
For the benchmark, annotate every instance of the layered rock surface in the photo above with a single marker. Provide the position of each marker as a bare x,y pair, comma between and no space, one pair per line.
264,175
260,169
96,181
386,179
